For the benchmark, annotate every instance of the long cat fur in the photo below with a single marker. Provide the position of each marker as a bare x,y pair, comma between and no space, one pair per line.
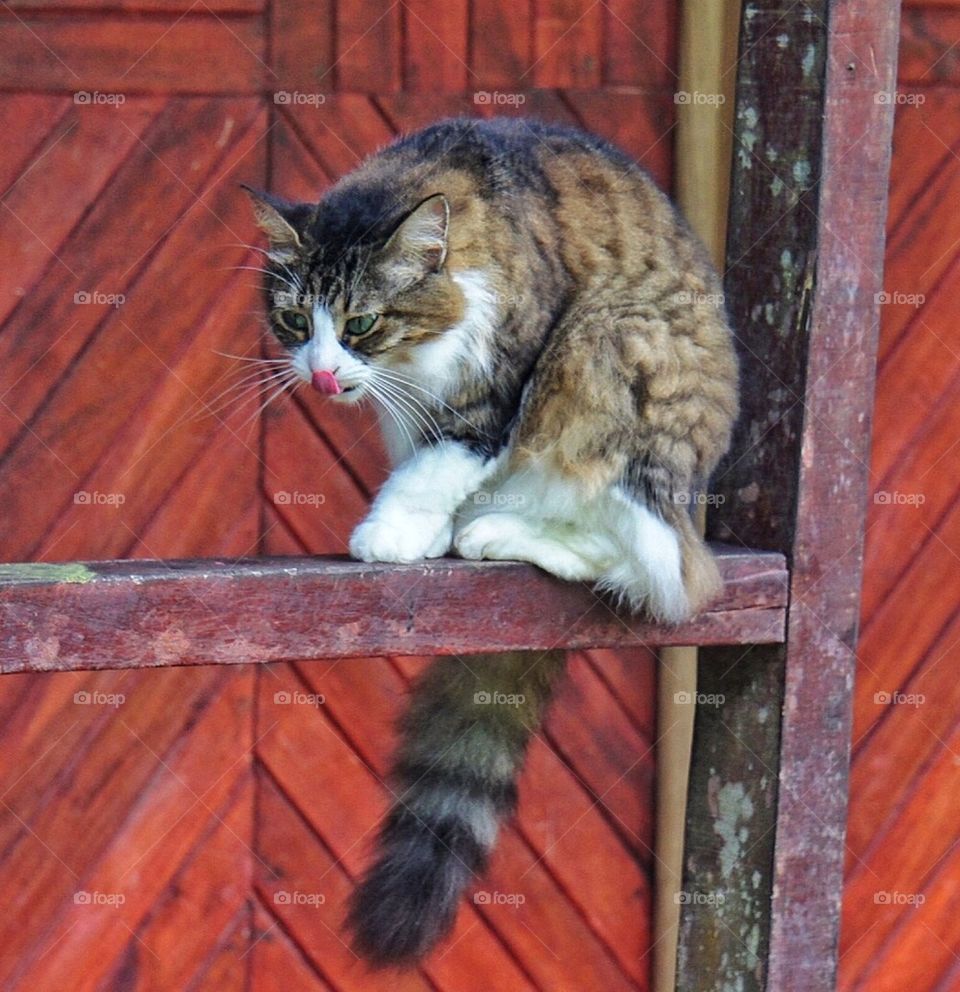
561,380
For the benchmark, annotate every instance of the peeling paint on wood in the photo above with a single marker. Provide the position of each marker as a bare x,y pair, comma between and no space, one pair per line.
768,780
151,614
23,572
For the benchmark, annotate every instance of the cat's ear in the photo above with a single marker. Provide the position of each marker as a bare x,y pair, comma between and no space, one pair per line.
282,222
419,244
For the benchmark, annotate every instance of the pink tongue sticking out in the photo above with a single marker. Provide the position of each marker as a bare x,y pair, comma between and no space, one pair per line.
326,382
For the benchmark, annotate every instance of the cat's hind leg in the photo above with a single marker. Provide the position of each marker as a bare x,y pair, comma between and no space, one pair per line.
513,537
649,572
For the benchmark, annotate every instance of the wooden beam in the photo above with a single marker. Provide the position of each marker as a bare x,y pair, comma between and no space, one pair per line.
832,495
145,614
767,801
707,65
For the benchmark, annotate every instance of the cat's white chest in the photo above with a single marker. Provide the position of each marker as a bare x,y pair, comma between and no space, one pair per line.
436,368
401,435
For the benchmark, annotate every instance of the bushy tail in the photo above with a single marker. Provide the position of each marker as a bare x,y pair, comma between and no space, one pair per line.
701,578
464,738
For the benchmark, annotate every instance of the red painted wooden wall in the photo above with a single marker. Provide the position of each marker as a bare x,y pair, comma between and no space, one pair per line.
901,925
190,829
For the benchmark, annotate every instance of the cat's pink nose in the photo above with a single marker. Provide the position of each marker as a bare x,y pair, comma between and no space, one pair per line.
326,382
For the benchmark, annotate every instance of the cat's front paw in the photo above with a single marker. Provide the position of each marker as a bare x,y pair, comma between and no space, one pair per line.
408,538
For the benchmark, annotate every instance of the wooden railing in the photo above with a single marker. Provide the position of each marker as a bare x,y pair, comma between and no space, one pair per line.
147,614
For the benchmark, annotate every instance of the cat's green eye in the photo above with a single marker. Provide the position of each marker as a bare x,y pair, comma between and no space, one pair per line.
294,321
356,327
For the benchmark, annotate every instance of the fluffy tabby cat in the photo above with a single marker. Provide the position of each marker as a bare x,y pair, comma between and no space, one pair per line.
555,377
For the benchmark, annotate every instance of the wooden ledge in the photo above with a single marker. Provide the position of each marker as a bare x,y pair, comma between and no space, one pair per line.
147,614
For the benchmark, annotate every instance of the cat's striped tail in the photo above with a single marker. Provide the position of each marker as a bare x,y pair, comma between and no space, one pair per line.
464,739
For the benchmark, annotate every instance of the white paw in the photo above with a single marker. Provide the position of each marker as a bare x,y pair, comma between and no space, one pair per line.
508,537
487,537
402,539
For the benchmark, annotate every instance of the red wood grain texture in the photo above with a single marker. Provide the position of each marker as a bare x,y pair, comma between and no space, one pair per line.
94,7
435,48
150,459
178,936
171,798
218,477
80,155
904,858
106,56
928,52
890,649
277,964
639,43
593,732
116,249
910,281
920,129
126,615
501,44
302,47
72,431
900,898
227,965
368,46
41,112
567,43
89,831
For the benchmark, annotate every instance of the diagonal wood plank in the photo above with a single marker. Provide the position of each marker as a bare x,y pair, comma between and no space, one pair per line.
902,856
73,431
79,157
44,111
889,649
276,963
611,759
147,457
112,247
205,898
552,800
136,805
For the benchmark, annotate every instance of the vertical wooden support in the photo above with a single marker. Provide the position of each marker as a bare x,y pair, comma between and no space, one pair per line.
767,799
704,105
708,72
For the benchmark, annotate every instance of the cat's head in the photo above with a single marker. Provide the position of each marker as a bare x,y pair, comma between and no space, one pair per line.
348,295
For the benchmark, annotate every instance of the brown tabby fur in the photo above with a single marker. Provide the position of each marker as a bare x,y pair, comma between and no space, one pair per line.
610,367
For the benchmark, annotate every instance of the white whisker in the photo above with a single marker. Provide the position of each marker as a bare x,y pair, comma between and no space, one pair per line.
265,252
415,409
267,272
283,388
401,379
387,404
250,358
250,388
